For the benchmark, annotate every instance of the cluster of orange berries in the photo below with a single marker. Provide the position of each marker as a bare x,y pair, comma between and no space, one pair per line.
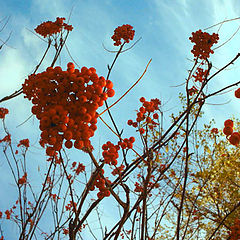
100,183
200,75
3,112
9,212
203,43
7,138
192,90
65,102
127,143
234,137
110,151
124,32
49,28
144,114
235,230
118,170
24,142
71,206
23,179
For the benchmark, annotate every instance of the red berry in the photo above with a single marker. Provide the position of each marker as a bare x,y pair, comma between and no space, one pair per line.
228,123
237,93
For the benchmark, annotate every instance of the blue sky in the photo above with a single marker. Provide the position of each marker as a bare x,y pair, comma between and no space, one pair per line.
164,25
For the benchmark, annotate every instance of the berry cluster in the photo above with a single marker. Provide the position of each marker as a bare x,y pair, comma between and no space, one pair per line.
49,28
71,206
9,212
234,138
24,142
65,102
110,151
7,139
100,183
200,75
144,114
23,179
127,143
124,32
3,112
203,43
192,90
118,170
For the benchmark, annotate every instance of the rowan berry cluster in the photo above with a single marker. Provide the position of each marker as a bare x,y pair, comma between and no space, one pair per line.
100,183
146,115
49,28
7,138
234,137
235,230
9,212
65,102
127,143
24,142
3,112
54,197
138,187
200,75
118,170
71,206
124,32
203,43
192,91
23,179
110,151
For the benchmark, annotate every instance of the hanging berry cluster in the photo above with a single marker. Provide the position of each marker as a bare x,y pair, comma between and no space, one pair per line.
200,75
233,137
193,90
203,43
146,114
24,143
124,32
3,112
110,151
49,28
65,102
23,179
110,156
100,183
